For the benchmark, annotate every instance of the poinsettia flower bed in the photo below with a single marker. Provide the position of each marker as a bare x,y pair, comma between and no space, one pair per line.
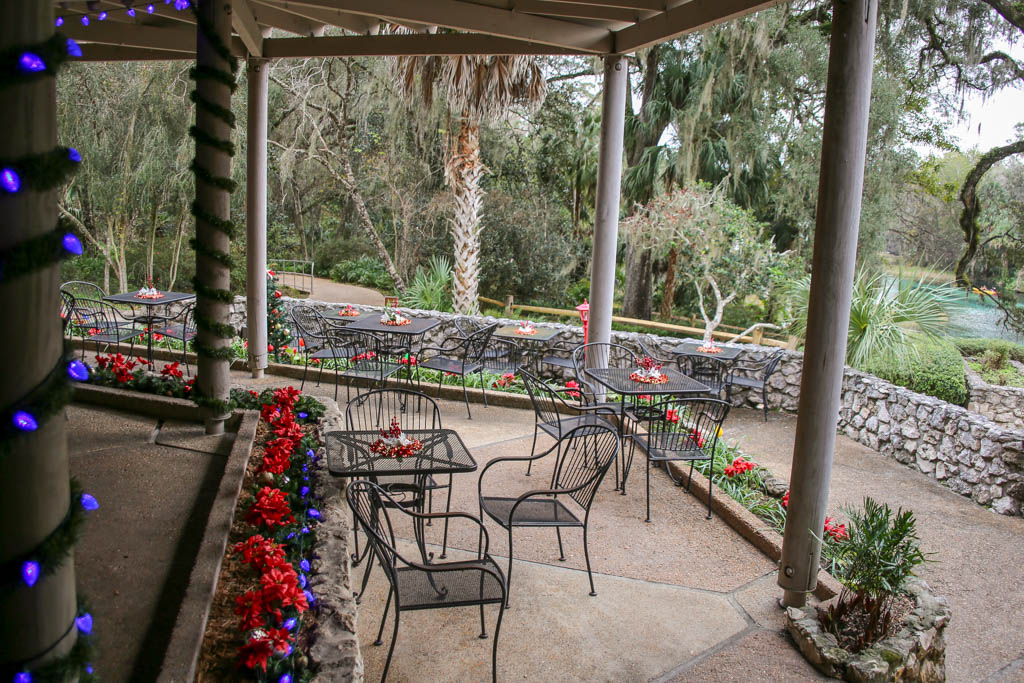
259,622
115,370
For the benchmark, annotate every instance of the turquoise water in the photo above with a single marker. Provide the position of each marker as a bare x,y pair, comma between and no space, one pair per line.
979,318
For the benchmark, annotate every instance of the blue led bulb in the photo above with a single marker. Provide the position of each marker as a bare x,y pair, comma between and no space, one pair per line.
73,155
89,502
73,49
10,181
72,244
84,623
30,572
78,371
24,421
30,62
59,22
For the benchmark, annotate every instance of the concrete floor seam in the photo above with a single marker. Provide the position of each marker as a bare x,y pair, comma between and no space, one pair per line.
714,649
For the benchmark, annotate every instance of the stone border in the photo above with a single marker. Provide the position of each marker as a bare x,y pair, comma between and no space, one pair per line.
916,653
129,401
186,640
1002,404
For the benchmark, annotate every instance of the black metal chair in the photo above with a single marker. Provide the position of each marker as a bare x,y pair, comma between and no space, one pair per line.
680,429
616,356
67,311
712,372
367,359
500,356
759,374
374,410
83,289
582,459
182,327
101,323
418,585
317,343
548,417
559,354
461,356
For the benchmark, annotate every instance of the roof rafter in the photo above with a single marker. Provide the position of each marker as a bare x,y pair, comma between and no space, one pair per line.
554,8
335,17
685,18
166,38
95,52
245,25
467,16
286,21
406,45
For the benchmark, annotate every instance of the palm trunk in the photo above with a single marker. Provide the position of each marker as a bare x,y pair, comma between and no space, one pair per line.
636,300
464,171
35,493
668,294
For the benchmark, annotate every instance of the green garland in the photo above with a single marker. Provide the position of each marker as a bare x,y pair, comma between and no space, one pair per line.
204,175
53,51
43,171
75,665
42,402
53,550
35,253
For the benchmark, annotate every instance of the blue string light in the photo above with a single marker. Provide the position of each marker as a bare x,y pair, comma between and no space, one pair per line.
24,421
304,565
102,16
303,416
74,155
72,244
10,181
180,5
314,513
85,20
88,669
30,62
310,452
150,9
59,22
309,596
290,623
78,371
304,491
305,529
30,572
89,502
23,677
302,580
131,12
73,48
84,623
286,678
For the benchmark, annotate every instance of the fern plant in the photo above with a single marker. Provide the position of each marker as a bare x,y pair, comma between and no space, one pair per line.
430,288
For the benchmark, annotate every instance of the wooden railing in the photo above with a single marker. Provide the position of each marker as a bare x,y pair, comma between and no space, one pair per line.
757,337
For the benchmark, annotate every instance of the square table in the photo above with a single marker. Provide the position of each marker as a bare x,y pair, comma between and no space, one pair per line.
690,348
443,452
617,380
149,318
533,344
346,320
417,327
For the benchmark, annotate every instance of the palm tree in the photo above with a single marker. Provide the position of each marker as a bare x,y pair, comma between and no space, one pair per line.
475,88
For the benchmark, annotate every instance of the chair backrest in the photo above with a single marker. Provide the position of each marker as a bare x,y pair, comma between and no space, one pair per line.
685,425
67,309
466,326
544,399
95,314
83,289
613,355
367,502
710,371
585,454
374,410
771,364
476,343
308,323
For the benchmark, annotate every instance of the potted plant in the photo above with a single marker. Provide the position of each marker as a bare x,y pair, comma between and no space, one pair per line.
885,624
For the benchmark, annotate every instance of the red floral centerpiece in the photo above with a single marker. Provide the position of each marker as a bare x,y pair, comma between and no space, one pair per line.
393,318
348,312
649,372
149,291
395,444
709,347
526,328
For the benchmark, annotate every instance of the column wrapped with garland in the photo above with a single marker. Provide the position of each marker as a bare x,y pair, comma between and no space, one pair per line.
214,76
44,634
278,334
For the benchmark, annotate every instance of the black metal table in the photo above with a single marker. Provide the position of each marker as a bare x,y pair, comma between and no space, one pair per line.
149,318
728,353
617,380
534,345
346,320
443,452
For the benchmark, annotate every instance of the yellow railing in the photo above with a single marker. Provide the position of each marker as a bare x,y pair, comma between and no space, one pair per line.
755,338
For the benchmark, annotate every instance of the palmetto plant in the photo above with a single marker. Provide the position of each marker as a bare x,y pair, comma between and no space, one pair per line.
431,287
475,88
883,313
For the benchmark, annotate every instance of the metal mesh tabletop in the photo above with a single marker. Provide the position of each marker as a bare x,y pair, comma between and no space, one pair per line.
167,298
690,348
373,324
617,379
542,334
348,454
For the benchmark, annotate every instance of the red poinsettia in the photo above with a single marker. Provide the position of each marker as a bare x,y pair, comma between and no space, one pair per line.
171,370
255,653
285,396
785,500
261,553
572,384
249,606
269,509
838,532
672,415
739,466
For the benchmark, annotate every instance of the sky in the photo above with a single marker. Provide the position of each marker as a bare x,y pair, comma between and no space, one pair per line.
990,123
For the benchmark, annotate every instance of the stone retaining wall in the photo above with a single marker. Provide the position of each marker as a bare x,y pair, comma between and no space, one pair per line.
1002,405
968,452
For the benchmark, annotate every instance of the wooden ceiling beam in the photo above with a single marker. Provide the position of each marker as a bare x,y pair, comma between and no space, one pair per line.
355,23
405,45
688,17
177,39
648,5
269,15
466,16
577,11
95,52
248,29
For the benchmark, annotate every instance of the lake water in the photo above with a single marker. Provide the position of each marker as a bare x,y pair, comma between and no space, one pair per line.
977,317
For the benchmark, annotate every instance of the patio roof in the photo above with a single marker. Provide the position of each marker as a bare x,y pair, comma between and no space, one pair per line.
298,27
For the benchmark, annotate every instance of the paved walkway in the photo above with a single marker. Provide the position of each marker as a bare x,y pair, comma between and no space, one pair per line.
338,293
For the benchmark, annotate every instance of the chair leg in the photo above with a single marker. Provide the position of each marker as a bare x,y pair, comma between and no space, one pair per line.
384,617
430,505
355,537
508,576
494,647
305,369
533,449
649,489
561,553
483,387
764,401
689,478
391,650
586,554
465,397
447,508
366,578
711,488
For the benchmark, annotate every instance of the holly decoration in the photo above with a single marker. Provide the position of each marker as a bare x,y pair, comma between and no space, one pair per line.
278,334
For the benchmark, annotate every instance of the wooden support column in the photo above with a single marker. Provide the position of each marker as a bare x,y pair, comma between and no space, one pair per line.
213,376
256,216
34,490
844,141
606,222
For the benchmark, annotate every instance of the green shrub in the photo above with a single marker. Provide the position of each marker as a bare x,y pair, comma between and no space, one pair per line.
995,359
976,347
431,287
366,271
934,367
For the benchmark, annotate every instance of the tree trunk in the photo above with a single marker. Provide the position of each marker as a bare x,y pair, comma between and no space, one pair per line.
108,244
152,239
463,170
636,300
297,217
668,294
35,494
972,206
213,375
176,256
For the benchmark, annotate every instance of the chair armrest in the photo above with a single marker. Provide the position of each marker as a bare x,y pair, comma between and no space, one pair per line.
452,515
444,348
508,458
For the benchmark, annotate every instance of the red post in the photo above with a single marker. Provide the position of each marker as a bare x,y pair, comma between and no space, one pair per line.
584,310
